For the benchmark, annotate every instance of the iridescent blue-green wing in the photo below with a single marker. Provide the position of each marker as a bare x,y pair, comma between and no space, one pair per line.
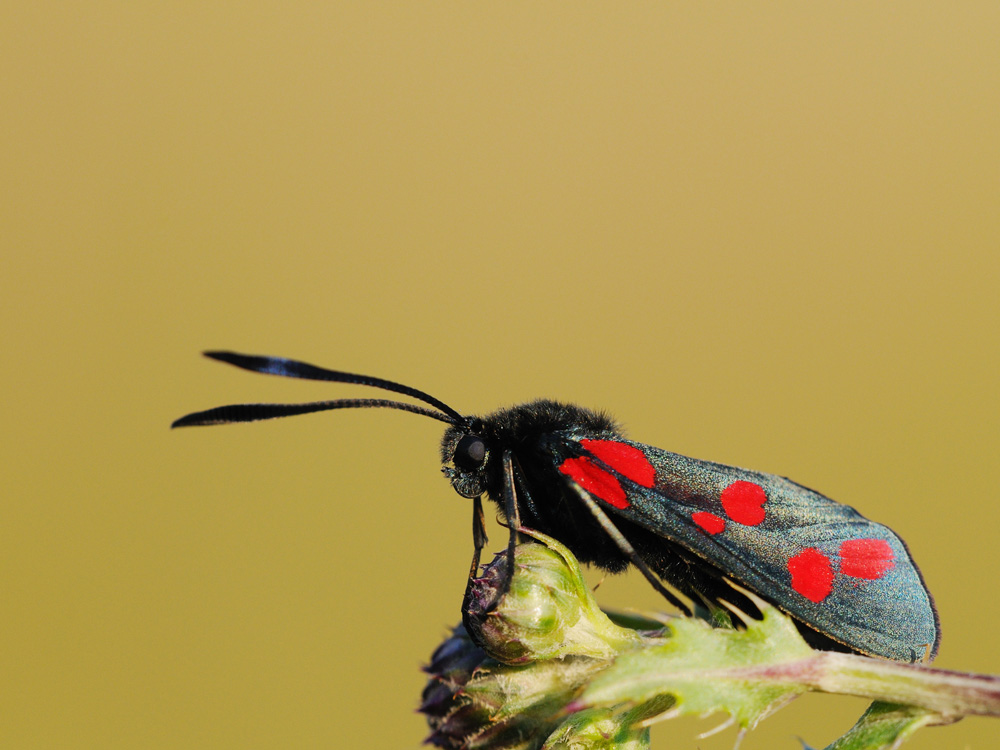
844,576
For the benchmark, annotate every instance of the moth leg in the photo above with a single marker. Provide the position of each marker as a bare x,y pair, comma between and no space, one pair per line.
479,540
525,498
513,516
627,549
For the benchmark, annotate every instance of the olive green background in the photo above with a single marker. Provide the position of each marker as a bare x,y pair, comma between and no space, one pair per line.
763,234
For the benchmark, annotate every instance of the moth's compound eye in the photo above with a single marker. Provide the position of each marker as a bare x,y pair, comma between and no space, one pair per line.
470,453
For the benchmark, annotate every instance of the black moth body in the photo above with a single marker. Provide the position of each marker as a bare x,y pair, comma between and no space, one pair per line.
568,472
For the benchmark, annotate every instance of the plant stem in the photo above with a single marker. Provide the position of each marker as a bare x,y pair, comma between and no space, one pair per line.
949,694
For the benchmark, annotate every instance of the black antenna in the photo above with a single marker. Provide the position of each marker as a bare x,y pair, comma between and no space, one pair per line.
291,368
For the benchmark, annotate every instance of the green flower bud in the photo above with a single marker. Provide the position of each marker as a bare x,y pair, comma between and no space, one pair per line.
473,702
597,729
547,610
543,640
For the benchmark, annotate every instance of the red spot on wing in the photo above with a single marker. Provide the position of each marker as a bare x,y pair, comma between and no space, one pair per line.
595,480
812,574
866,558
744,502
709,522
627,460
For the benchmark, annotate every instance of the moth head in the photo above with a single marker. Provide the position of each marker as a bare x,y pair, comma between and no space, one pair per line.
465,456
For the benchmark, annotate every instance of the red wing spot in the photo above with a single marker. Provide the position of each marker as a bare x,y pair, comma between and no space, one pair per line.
866,558
595,480
709,522
812,574
744,502
627,460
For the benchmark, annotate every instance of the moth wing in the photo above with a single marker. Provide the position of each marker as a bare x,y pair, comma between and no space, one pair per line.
821,561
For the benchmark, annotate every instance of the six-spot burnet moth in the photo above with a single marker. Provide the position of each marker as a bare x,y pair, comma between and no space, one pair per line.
568,472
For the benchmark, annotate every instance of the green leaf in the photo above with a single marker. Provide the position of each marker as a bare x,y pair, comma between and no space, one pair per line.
741,672
884,726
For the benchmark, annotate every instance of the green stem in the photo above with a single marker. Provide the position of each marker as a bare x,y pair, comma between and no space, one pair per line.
949,694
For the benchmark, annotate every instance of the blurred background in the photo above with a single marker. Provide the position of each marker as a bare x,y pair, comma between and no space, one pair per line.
766,236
